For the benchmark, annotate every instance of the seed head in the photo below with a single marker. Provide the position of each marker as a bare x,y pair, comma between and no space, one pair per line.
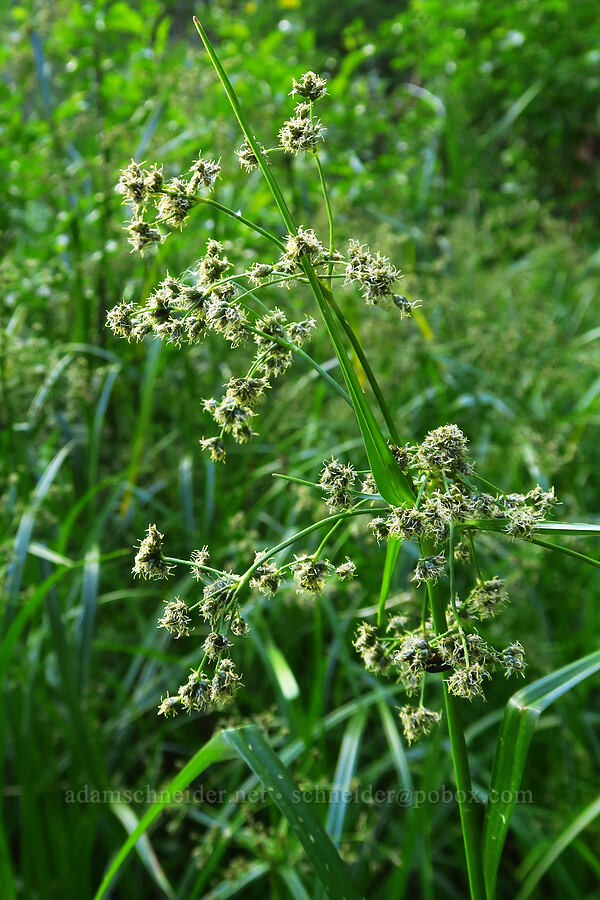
247,158
120,319
215,643
417,722
429,568
444,451
215,447
225,683
198,559
176,618
204,174
373,272
195,694
265,578
310,574
486,599
149,561
301,132
142,235
132,185
468,682
174,206
513,660
168,706
310,86
346,571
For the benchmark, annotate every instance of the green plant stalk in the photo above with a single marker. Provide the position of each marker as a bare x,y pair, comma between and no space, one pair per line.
403,488
470,815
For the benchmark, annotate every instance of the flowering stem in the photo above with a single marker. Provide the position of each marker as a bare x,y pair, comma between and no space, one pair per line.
257,228
294,347
469,812
329,212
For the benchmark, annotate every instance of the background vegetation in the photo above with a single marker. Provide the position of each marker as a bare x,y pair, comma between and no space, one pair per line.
463,140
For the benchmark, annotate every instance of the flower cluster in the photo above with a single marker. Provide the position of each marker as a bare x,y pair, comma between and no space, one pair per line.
337,480
173,199
149,561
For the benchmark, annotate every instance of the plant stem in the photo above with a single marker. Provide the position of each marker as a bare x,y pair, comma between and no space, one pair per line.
470,817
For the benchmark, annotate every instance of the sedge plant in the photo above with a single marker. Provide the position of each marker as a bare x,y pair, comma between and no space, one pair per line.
425,491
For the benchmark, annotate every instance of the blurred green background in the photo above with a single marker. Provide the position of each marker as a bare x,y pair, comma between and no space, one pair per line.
463,140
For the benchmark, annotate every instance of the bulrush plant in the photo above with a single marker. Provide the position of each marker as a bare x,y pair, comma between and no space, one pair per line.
426,492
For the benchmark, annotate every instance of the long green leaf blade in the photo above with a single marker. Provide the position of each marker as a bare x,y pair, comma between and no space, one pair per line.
324,858
516,731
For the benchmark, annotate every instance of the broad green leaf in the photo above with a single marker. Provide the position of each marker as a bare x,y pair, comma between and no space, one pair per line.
560,843
516,731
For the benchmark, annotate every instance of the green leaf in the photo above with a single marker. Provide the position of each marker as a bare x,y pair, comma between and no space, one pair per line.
344,773
324,858
130,822
391,557
248,743
516,731
216,750
560,843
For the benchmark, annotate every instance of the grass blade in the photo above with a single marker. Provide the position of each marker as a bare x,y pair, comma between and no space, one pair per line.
566,837
130,821
324,858
516,731
216,750
344,773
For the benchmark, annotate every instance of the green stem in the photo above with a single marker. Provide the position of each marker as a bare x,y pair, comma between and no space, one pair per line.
257,228
295,349
329,213
470,817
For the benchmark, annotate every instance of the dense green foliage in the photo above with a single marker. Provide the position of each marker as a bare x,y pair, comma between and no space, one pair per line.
463,141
